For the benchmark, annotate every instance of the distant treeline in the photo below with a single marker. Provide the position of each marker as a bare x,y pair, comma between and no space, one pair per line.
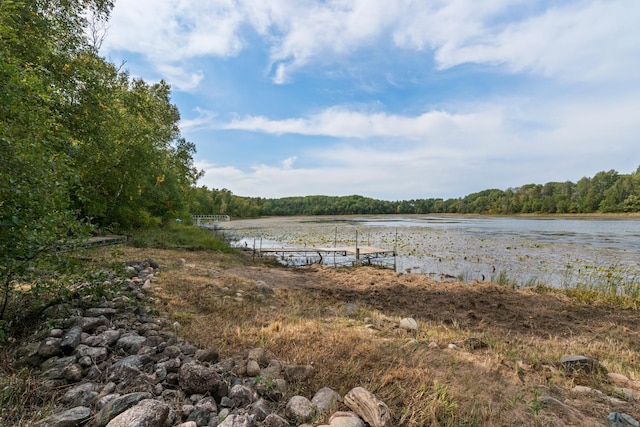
605,192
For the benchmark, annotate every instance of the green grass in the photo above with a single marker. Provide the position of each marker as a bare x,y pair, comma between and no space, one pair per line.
179,236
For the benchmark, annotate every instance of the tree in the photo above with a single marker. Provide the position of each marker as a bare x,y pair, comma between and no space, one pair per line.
36,39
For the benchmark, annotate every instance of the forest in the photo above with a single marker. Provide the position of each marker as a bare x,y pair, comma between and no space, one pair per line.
84,146
605,192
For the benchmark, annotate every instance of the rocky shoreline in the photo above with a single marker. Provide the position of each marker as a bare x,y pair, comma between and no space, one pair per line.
116,362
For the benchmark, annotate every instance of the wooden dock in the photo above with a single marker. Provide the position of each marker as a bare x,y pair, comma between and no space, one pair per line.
356,255
345,250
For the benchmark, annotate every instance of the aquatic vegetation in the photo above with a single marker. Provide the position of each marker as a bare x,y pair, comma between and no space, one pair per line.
512,259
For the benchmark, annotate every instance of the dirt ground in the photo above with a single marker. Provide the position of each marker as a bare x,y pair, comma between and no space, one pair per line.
471,305
528,331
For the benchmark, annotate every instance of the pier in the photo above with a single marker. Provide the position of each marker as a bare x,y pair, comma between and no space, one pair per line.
350,255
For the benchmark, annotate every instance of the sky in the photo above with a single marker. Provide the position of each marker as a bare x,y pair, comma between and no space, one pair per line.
394,100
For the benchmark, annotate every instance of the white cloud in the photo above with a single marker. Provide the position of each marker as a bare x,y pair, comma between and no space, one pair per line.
577,41
170,33
174,30
203,120
288,162
342,123
581,118
441,154
179,78
582,40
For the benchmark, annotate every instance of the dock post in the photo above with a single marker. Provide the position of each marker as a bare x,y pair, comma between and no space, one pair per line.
335,245
395,252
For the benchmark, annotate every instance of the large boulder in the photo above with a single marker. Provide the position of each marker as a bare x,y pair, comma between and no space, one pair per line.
196,378
148,413
117,406
371,409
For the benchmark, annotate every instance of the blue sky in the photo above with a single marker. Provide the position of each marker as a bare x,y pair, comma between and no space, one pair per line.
392,100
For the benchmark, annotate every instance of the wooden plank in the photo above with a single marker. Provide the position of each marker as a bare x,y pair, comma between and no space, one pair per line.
364,250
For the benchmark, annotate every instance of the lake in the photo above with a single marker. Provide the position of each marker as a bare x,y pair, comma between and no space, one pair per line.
519,251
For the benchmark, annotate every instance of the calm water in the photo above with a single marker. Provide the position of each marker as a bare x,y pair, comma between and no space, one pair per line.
558,252
612,234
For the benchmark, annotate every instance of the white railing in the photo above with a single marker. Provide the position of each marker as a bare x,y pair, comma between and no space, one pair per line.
201,219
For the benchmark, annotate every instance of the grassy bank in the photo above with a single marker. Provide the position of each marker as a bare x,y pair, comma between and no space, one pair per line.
345,323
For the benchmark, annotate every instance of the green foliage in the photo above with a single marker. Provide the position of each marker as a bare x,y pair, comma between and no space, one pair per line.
35,218
179,236
203,201
81,142
605,192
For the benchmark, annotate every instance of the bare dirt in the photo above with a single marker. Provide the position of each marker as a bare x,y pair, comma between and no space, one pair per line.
471,305
528,331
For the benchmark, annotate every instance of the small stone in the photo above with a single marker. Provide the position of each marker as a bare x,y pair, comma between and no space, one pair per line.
581,364
299,409
345,419
148,413
89,324
95,354
259,355
102,401
260,409
226,402
274,420
117,406
188,349
618,378
409,324
73,417
57,363
200,416
72,373
196,378
209,356
50,347
620,419
56,333
253,368
130,344
325,400
81,395
241,395
237,421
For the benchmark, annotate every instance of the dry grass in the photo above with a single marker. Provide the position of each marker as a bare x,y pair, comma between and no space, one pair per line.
344,322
